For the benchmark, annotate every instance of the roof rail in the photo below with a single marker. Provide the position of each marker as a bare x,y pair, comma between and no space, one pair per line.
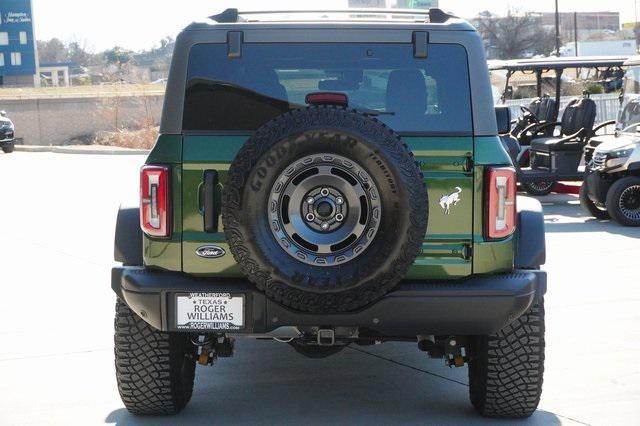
436,16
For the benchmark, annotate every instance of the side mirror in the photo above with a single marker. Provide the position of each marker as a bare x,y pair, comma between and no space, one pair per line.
503,117
3,113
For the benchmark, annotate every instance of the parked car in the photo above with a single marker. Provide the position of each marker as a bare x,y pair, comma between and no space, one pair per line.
323,183
7,133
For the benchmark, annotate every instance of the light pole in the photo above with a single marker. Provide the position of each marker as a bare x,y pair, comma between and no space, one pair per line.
557,30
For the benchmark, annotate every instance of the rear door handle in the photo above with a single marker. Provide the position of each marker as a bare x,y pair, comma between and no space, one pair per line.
211,201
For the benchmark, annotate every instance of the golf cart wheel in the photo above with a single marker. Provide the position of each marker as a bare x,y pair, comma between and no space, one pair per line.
623,201
325,209
155,370
506,369
590,207
539,189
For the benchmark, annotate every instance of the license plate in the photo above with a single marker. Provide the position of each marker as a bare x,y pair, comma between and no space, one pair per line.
209,311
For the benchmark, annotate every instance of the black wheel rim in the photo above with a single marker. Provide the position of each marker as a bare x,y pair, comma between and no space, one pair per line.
630,202
324,210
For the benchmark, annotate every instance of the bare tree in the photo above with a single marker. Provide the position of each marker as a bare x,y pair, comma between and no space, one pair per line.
514,36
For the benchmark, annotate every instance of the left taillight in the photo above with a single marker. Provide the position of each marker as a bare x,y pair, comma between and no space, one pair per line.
155,201
500,217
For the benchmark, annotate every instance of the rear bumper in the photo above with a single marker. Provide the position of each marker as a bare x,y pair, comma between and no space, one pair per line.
476,306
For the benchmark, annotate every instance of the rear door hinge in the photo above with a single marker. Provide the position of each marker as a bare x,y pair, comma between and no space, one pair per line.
467,252
468,164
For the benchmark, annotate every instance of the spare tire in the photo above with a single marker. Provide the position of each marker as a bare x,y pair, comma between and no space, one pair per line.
325,209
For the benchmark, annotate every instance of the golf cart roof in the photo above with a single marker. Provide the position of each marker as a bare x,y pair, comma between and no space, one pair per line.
556,63
634,60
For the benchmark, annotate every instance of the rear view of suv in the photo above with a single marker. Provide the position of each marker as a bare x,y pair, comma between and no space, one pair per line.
327,180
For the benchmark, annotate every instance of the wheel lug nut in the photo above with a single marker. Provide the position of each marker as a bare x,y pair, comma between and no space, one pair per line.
325,226
311,217
324,192
311,200
340,201
339,217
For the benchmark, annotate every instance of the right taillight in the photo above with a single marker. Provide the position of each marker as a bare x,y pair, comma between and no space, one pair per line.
155,201
500,217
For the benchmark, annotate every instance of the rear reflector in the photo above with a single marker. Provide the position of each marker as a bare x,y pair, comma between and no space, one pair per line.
327,98
155,202
500,217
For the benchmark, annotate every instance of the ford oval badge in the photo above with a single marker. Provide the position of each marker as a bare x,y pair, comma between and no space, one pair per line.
210,252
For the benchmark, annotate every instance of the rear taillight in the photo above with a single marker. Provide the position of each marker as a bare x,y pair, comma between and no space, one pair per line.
155,201
500,217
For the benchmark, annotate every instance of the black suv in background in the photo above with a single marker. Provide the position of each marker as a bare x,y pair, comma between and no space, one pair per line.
6,133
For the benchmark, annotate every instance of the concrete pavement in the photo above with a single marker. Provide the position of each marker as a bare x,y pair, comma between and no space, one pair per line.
56,319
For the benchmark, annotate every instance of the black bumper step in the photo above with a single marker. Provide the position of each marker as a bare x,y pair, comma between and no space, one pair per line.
474,306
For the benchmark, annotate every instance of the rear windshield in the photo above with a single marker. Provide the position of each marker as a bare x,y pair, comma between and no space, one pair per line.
410,95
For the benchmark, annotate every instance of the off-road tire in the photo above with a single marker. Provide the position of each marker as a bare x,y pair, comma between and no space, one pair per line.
539,189
301,134
589,206
155,370
506,369
613,200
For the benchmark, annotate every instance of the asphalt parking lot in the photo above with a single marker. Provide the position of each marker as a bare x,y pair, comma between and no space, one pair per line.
57,215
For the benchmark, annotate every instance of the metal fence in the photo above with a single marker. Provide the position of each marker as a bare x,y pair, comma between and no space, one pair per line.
606,106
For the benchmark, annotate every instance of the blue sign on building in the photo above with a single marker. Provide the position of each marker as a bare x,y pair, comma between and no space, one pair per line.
18,60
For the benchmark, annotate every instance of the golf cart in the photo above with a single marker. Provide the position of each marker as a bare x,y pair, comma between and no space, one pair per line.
612,177
551,151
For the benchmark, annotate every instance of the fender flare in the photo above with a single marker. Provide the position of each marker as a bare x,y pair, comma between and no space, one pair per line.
531,249
128,239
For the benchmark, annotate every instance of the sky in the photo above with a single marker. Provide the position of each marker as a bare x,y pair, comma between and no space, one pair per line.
141,24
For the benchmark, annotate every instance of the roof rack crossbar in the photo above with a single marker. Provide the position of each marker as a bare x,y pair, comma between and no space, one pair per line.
435,15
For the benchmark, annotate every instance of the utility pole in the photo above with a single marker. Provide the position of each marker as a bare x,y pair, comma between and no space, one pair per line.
557,30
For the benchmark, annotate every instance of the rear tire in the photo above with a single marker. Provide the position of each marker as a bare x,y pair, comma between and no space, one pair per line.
539,189
623,201
506,369
589,206
155,370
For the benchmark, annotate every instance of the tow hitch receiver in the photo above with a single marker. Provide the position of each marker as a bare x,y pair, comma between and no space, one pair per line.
326,337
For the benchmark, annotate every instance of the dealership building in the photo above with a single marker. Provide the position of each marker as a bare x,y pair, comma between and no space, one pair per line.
18,57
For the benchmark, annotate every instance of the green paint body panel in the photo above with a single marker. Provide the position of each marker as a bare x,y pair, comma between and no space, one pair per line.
454,246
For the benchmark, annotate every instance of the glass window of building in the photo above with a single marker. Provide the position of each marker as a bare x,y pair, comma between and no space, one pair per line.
23,37
4,39
1,59
16,59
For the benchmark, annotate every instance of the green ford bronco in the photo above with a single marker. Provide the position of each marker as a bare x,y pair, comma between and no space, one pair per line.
326,179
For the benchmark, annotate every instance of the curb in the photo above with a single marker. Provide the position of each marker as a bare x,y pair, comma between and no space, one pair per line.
80,150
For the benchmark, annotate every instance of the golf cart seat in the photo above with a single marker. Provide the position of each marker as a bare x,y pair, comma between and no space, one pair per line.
540,111
565,150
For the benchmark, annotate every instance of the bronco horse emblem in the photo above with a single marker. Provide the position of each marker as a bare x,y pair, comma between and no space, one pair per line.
448,201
